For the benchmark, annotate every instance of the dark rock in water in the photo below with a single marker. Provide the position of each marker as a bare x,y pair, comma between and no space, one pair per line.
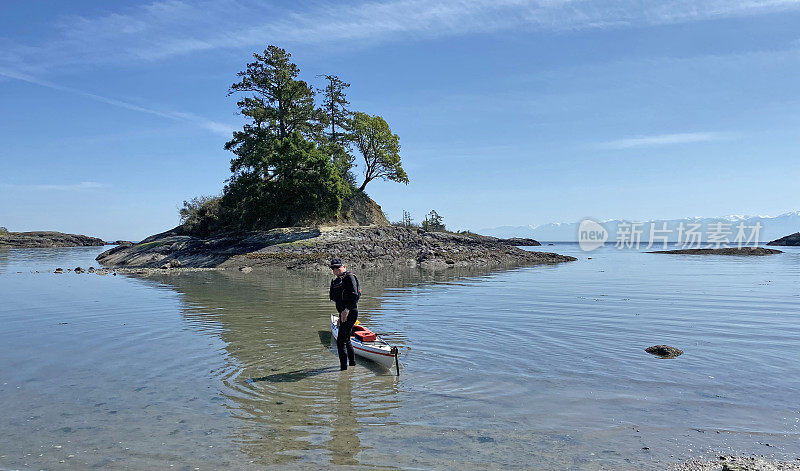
125,243
59,270
664,351
91,270
789,240
751,251
79,270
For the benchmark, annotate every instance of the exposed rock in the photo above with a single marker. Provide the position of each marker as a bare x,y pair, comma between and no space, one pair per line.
359,209
79,270
91,270
789,240
59,270
245,269
522,241
751,251
46,239
312,248
126,243
171,264
664,351
736,463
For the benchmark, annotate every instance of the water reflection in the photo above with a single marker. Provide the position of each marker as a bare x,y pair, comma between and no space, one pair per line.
226,370
282,380
3,259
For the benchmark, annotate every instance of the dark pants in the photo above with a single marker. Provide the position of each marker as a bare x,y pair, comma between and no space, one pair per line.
343,340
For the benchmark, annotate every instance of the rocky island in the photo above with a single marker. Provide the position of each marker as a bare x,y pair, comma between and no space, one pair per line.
39,239
372,246
293,200
789,240
747,251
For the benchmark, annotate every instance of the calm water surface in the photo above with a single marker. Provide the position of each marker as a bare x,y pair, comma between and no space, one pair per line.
539,367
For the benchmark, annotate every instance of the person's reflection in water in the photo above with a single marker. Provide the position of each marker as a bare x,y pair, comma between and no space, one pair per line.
344,443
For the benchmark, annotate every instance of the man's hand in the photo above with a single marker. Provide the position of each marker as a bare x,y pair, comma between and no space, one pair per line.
343,315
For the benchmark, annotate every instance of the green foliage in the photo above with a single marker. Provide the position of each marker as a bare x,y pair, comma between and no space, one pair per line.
280,176
3,231
292,161
379,147
433,222
201,215
341,159
274,99
290,181
337,118
334,105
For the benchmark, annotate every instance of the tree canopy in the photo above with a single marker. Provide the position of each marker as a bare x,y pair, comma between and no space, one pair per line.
379,147
292,159
274,98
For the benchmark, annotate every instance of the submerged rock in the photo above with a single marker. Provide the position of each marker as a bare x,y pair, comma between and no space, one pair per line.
664,351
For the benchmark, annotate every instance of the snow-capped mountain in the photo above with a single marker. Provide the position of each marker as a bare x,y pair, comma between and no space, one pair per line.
771,227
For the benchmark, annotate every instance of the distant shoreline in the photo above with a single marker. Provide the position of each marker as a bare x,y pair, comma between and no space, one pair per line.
45,239
741,251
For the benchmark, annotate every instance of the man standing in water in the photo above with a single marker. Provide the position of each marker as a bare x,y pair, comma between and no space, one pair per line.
345,292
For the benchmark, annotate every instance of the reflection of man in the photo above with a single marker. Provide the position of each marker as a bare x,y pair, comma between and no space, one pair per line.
345,292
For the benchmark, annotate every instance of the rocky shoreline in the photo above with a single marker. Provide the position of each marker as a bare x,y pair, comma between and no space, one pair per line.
747,251
45,239
310,248
736,463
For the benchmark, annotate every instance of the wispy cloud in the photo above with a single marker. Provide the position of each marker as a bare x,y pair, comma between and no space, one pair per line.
167,28
664,140
214,126
82,186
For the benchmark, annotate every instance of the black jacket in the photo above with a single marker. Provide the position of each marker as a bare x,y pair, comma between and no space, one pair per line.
344,291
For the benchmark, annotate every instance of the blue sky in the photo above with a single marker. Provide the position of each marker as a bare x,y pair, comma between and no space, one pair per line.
509,112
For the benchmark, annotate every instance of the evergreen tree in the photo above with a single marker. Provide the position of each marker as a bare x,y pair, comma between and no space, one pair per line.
334,105
433,222
280,176
274,98
336,142
292,182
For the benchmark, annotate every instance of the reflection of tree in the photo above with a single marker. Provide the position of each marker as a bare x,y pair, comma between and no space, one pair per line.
282,382
3,259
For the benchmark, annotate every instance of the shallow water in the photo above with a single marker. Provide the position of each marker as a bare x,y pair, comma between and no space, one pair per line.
539,367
